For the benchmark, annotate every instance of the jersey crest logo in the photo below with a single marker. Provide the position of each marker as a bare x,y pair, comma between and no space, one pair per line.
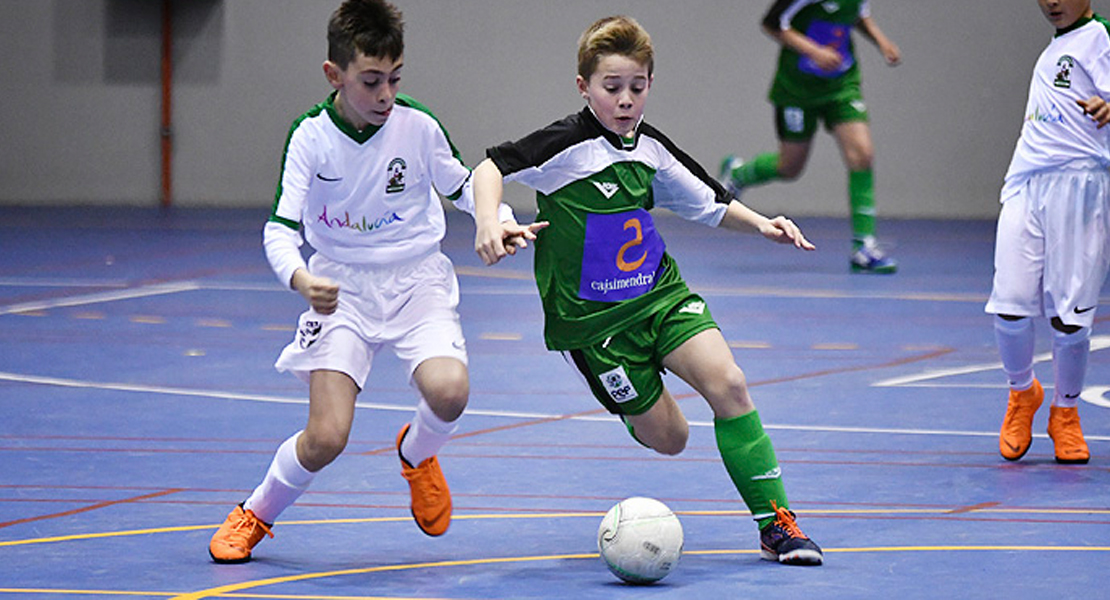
1063,75
396,176
606,188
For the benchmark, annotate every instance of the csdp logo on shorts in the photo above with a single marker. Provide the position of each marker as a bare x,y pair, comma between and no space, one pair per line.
618,386
309,332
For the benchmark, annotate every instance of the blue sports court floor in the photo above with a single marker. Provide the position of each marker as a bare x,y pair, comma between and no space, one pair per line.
138,405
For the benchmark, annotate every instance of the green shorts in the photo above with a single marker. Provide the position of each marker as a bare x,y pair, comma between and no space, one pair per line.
625,372
797,124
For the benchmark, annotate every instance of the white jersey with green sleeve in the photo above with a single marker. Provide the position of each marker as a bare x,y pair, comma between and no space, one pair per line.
1074,66
366,197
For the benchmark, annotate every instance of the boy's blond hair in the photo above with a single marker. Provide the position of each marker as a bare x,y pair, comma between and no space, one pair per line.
614,35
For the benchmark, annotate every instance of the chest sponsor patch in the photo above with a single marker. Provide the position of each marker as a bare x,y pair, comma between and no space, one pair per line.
834,36
620,256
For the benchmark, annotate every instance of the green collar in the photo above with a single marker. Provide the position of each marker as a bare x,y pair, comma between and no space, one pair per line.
1076,25
344,126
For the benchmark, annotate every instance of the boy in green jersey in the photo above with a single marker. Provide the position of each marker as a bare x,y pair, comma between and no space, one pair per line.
818,78
614,302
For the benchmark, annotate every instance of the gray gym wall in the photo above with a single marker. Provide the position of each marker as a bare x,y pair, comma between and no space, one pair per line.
79,98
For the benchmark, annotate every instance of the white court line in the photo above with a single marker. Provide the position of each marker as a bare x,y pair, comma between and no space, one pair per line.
101,297
1091,394
34,282
1094,395
225,395
1098,342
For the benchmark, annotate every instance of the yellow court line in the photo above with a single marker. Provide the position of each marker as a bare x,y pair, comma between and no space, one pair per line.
234,590
225,590
405,519
245,585
40,591
497,516
910,511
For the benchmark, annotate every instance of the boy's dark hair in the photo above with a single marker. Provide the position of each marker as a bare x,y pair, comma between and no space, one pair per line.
372,27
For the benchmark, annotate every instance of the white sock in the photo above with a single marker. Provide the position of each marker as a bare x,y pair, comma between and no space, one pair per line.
285,481
1015,347
1069,365
427,434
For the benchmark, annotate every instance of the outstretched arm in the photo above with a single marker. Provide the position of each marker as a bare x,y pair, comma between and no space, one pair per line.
739,217
889,50
493,239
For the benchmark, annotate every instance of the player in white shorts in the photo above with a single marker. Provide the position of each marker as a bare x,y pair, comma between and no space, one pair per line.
362,175
1051,250
407,308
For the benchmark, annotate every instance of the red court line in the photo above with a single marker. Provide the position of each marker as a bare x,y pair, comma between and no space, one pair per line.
893,363
974,507
525,496
822,373
489,430
96,506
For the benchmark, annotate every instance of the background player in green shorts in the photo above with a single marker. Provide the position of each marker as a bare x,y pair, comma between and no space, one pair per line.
614,302
818,79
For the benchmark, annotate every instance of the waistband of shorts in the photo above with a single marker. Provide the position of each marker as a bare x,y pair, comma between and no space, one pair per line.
403,263
1084,164
1013,184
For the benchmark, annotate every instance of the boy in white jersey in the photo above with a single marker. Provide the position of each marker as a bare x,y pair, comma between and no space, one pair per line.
360,175
1051,250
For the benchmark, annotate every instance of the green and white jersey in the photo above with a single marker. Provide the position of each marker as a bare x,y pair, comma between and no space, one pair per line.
798,80
601,265
1074,66
364,197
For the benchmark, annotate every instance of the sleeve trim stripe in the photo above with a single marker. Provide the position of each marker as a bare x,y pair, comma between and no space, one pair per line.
294,225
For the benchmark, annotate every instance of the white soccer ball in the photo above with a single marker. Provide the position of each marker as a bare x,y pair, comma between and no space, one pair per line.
640,540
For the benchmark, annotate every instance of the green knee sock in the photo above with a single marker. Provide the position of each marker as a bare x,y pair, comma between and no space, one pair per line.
759,170
861,199
750,460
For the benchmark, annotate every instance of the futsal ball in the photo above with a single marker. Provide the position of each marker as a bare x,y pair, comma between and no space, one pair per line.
640,540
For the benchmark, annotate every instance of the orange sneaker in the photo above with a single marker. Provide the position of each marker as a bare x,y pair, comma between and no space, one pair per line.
1017,427
233,541
431,499
1063,428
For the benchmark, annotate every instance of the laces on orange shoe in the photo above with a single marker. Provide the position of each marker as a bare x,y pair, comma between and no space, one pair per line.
245,525
785,519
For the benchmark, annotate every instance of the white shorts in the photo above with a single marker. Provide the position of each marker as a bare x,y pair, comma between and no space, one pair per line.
1051,254
409,308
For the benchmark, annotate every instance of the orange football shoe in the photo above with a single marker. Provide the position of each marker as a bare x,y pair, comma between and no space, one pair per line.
233,541
431,498
1017,427
1063,428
